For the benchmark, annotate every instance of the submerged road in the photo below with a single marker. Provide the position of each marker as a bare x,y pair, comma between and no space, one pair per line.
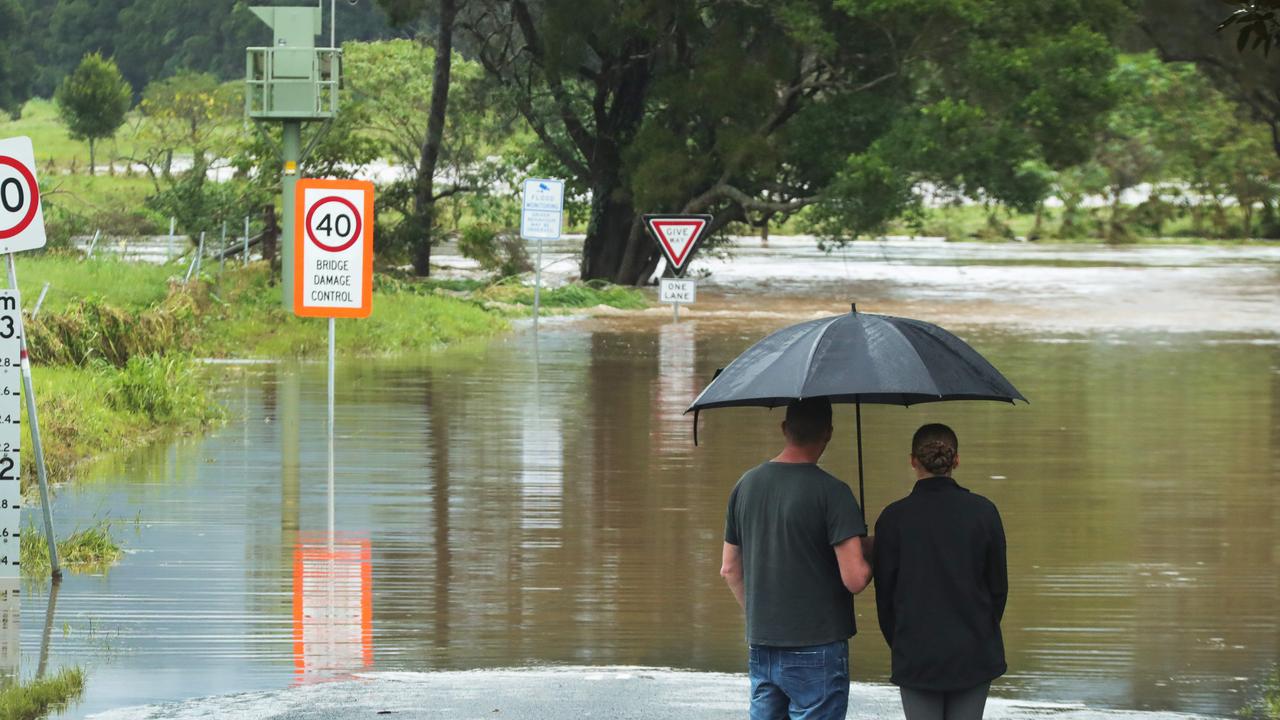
622,693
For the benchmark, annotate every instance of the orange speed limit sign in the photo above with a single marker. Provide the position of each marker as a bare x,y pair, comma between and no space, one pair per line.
333,249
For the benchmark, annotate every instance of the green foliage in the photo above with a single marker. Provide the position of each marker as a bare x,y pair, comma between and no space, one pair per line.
93,100
90,550
35,699
152,39
15,73
501,252
392,83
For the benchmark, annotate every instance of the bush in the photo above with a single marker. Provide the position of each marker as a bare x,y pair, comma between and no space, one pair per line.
163,388
496,251
36,698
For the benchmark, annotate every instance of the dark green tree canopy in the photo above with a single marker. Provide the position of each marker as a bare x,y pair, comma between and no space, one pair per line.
754,110
16,65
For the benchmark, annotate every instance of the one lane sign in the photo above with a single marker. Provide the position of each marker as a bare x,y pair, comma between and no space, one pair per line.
21,217
333,249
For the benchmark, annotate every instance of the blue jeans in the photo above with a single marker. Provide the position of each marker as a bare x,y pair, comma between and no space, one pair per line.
800,683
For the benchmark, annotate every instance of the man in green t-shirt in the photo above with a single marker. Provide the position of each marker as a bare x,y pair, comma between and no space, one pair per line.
793,556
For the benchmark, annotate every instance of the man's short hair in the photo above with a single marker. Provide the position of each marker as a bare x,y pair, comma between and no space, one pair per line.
808,420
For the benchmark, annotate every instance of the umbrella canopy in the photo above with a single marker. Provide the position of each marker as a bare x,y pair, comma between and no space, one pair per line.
856,358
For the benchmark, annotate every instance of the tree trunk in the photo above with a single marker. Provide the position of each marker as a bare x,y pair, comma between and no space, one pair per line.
91,159
608,232
424,204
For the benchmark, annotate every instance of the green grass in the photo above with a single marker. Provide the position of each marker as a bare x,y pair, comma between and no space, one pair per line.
35,699
1266,706
52,142
247,320
575,295
90,550
128,286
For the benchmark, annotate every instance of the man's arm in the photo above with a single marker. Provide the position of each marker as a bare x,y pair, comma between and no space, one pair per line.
855,572
731,571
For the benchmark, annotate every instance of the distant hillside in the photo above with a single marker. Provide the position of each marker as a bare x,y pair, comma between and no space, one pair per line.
153,38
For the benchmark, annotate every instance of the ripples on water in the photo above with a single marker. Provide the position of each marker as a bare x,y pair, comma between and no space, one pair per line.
494,511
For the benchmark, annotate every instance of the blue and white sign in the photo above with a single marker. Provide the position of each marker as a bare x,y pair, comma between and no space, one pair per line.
543,210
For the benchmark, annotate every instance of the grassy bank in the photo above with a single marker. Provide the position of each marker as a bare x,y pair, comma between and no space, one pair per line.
88,411
35,699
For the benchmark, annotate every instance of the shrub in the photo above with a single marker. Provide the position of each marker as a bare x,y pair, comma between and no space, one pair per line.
496,251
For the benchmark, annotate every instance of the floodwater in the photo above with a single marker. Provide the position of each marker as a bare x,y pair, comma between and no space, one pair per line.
537,500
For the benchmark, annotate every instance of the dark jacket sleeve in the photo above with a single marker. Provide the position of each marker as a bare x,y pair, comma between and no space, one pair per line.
997,567
885,568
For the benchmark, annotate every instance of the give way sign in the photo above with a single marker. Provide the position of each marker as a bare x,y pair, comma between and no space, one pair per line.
21,218
677,236
333,249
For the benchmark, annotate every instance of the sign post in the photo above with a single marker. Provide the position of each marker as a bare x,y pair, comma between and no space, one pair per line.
333,264
21,228
541,215
678,237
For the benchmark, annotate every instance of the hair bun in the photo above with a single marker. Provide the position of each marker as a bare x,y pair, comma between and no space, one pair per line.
938,457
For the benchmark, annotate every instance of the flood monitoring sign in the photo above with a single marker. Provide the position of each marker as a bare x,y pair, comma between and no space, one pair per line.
10,431
333,249
677,236
542,212
21,219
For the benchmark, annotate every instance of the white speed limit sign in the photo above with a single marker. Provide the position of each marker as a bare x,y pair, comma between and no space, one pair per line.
21,221
333,251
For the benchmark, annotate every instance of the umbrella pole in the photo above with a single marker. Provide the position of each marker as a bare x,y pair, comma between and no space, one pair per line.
862,495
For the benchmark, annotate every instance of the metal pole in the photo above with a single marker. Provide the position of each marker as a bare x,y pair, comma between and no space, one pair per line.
35,312
333,24
292,155
92,244
194,265
862,494
222,258
675,312
537,286
331,483
168,253
29,391
245,258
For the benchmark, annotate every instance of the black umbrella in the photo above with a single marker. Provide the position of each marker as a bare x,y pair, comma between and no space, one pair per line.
856,358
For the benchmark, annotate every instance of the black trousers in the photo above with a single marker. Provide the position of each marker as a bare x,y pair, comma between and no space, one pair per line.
957,705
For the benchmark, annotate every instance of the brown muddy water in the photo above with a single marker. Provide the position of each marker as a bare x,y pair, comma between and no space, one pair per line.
537,500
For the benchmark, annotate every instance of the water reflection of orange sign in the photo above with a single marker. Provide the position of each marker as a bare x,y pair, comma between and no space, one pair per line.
332,605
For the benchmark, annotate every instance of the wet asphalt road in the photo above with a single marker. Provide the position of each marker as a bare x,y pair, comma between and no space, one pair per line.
614,693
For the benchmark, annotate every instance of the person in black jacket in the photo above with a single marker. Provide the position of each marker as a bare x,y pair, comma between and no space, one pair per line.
941,583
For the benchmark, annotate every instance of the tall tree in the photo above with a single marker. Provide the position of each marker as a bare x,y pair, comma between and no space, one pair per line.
749,109
93,100
421,220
